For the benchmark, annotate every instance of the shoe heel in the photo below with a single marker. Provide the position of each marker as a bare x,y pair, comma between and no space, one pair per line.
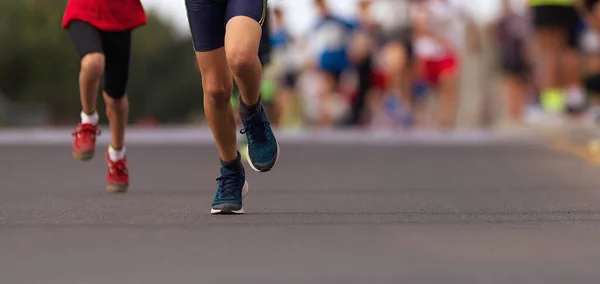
117,188
84,156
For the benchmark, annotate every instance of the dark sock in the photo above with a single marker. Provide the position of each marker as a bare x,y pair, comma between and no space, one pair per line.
234,164
250,110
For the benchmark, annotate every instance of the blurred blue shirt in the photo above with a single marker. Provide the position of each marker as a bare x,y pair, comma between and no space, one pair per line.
330,39
280,38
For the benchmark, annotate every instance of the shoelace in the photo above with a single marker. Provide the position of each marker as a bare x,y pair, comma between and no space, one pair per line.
227,185
86,129
118,168
256,133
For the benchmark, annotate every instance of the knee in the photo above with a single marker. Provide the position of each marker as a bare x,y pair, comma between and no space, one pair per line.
115,104
217,95
93,64
240,60
115,84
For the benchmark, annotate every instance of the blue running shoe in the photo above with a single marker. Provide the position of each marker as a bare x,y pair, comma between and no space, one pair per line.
262,150
232,187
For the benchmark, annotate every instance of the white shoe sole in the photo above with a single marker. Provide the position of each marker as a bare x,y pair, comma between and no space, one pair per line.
252,166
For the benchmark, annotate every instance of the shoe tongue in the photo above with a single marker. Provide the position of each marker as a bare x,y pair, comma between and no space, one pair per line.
226,172
258,116
251,119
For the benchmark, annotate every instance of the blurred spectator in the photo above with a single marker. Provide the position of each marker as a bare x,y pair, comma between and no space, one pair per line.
556,26
511,32
287,65
396,60
590,41
438,44
361,56
330,39
591,44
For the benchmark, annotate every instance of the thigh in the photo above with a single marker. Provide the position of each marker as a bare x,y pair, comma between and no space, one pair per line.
207,23
243,29
117,51
254,9
85,37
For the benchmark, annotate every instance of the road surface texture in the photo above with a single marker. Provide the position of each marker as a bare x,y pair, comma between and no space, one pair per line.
491,211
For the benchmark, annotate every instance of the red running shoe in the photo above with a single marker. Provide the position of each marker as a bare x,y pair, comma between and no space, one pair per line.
117,179
84,144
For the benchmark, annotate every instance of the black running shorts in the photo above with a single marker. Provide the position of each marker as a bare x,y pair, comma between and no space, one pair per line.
208,18
116,48
564,18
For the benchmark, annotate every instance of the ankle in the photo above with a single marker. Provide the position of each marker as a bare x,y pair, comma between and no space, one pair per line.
89,118
116,153
249,110
235,164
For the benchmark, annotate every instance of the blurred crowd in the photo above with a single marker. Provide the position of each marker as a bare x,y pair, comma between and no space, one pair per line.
393,64
373,70
398,64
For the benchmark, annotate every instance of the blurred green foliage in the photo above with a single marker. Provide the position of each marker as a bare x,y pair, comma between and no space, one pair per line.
39,64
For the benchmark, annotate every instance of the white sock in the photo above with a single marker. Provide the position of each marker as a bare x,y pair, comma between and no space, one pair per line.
116,155
89,119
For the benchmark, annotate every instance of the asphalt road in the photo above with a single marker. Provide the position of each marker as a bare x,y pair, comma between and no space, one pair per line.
480,213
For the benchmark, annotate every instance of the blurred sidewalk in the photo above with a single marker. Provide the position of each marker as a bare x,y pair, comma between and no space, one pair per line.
187,135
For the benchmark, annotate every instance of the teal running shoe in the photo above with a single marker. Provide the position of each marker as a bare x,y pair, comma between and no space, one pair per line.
231,189
262,150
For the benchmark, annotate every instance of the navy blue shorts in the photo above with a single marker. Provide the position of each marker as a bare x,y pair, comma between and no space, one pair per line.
208,18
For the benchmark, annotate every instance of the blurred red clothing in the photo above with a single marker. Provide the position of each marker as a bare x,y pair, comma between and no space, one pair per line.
380,79
106,15
432,70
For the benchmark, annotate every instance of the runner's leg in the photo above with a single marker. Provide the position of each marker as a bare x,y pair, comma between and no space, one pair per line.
207,24
242,41
88,43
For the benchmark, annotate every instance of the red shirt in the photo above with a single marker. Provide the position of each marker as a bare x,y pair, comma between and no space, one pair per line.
106,15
